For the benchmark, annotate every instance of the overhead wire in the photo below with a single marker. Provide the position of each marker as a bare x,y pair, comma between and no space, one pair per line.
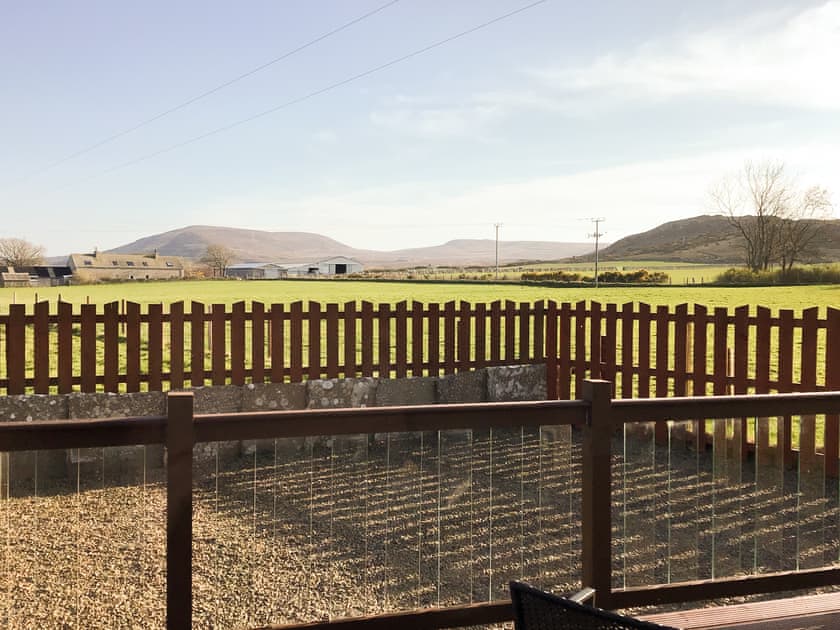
308,96
205,94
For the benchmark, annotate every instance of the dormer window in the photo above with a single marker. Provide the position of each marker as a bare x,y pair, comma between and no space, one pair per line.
115,263
129,263
88,262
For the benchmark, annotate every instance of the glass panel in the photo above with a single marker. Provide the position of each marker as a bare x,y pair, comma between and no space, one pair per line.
773,498
318,528
814,507
83,538
731,504
687,512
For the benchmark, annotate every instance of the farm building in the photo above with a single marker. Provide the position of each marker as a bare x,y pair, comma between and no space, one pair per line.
336,266
104,266
10,277
48,275
256,271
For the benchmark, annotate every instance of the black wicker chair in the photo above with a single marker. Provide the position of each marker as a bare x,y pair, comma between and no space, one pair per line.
534,609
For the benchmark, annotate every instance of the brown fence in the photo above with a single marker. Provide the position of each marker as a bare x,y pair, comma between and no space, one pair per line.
647,351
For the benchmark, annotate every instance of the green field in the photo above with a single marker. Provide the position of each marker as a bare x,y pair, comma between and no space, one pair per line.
327,291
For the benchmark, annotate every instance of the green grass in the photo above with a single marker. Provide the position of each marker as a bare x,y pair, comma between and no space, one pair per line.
326,291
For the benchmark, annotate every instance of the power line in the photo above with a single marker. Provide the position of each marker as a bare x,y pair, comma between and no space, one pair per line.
310,95
203,95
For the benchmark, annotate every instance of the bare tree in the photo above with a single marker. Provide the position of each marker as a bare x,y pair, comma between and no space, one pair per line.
801,225
775,220
218,257
17,252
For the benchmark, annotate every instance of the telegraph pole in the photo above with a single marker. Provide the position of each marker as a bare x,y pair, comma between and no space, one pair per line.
598,234
497,226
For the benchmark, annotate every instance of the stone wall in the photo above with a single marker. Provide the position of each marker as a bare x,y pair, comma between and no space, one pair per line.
494,384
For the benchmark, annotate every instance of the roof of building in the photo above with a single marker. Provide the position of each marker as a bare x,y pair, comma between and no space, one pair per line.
104,260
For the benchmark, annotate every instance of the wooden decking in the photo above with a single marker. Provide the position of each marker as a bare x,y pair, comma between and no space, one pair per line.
811,612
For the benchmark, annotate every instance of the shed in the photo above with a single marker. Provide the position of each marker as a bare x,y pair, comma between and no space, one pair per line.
256,271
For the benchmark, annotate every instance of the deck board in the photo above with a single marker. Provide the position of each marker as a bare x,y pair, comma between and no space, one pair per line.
809,612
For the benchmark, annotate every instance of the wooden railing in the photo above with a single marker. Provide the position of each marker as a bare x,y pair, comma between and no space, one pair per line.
598,416
647,351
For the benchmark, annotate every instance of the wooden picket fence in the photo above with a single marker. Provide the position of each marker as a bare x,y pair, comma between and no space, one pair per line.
646,351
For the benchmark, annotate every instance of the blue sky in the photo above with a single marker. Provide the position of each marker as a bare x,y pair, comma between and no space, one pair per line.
628,111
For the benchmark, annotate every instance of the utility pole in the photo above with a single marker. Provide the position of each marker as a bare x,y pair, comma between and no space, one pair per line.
598,234
497,226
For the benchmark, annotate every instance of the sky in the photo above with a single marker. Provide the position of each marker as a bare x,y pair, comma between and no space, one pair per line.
387,124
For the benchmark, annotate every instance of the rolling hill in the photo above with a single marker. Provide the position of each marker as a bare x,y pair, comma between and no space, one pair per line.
709,239
256,245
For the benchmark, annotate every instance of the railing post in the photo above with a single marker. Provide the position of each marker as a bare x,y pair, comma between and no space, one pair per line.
597,491
179,446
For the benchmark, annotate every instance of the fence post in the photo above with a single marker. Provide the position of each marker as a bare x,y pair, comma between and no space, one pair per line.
597,490
179,446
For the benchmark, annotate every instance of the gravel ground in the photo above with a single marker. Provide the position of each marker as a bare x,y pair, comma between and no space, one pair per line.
299,531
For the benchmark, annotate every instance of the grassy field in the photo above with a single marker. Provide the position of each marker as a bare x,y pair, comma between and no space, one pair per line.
327,291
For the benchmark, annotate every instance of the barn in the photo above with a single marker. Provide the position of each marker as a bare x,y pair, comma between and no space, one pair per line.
256,271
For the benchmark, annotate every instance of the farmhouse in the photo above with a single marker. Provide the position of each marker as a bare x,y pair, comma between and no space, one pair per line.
336,266
105,266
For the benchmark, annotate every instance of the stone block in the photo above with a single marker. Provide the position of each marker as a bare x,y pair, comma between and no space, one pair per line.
336,393
516,382
464,387
272,397
217,399
406,391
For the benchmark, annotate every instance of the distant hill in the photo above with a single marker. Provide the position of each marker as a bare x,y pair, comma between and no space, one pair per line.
256,245
708,239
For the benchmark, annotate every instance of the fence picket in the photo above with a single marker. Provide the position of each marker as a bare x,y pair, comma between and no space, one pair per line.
88,343
258,342
237,344
464,330
332,340
16,349
480,351
434,340
524,354
155,347
196,319
218,343
551,351
111,350
132,347
449,324
643,389
313,329
495,332
277,342
417,344
296,342
595,319
699,352
509,350
176,345
627,320
350,323
384,337
65,347
579,357
401,339
367,339
41,329
609,341
539,330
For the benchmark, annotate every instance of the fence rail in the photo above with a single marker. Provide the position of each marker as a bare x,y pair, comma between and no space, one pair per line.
647,351
597,416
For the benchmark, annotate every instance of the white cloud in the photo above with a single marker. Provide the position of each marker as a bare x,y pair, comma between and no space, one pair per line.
437,121
780,58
